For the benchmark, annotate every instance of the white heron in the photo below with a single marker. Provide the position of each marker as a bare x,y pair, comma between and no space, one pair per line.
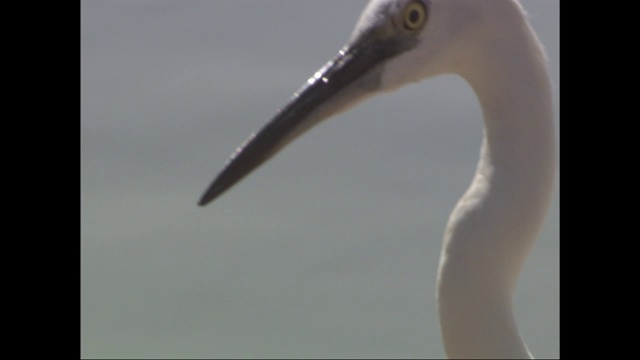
492,228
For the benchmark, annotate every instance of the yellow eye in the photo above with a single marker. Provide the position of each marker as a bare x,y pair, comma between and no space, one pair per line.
415,15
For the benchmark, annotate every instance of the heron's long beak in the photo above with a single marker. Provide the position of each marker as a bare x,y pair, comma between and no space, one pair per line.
349,78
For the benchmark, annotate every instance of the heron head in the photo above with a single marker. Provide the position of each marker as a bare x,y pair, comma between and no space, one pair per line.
395,42
424,38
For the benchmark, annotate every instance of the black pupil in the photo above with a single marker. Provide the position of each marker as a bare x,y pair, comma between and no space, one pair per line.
414,16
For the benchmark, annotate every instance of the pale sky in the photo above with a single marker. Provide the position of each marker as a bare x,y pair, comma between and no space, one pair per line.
329,250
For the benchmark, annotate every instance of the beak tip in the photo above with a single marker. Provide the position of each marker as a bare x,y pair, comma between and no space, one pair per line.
217,187
207,198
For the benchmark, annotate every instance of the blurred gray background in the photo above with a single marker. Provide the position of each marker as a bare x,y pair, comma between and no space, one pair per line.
330,250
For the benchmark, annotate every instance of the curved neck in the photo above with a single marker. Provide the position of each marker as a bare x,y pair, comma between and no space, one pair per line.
495,223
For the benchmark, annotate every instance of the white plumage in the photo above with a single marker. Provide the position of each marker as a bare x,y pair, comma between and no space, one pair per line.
490,44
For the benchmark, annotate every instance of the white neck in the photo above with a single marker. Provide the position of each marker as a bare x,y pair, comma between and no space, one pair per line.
495,223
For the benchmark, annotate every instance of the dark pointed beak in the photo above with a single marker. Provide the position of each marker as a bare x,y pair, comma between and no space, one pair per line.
352,76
